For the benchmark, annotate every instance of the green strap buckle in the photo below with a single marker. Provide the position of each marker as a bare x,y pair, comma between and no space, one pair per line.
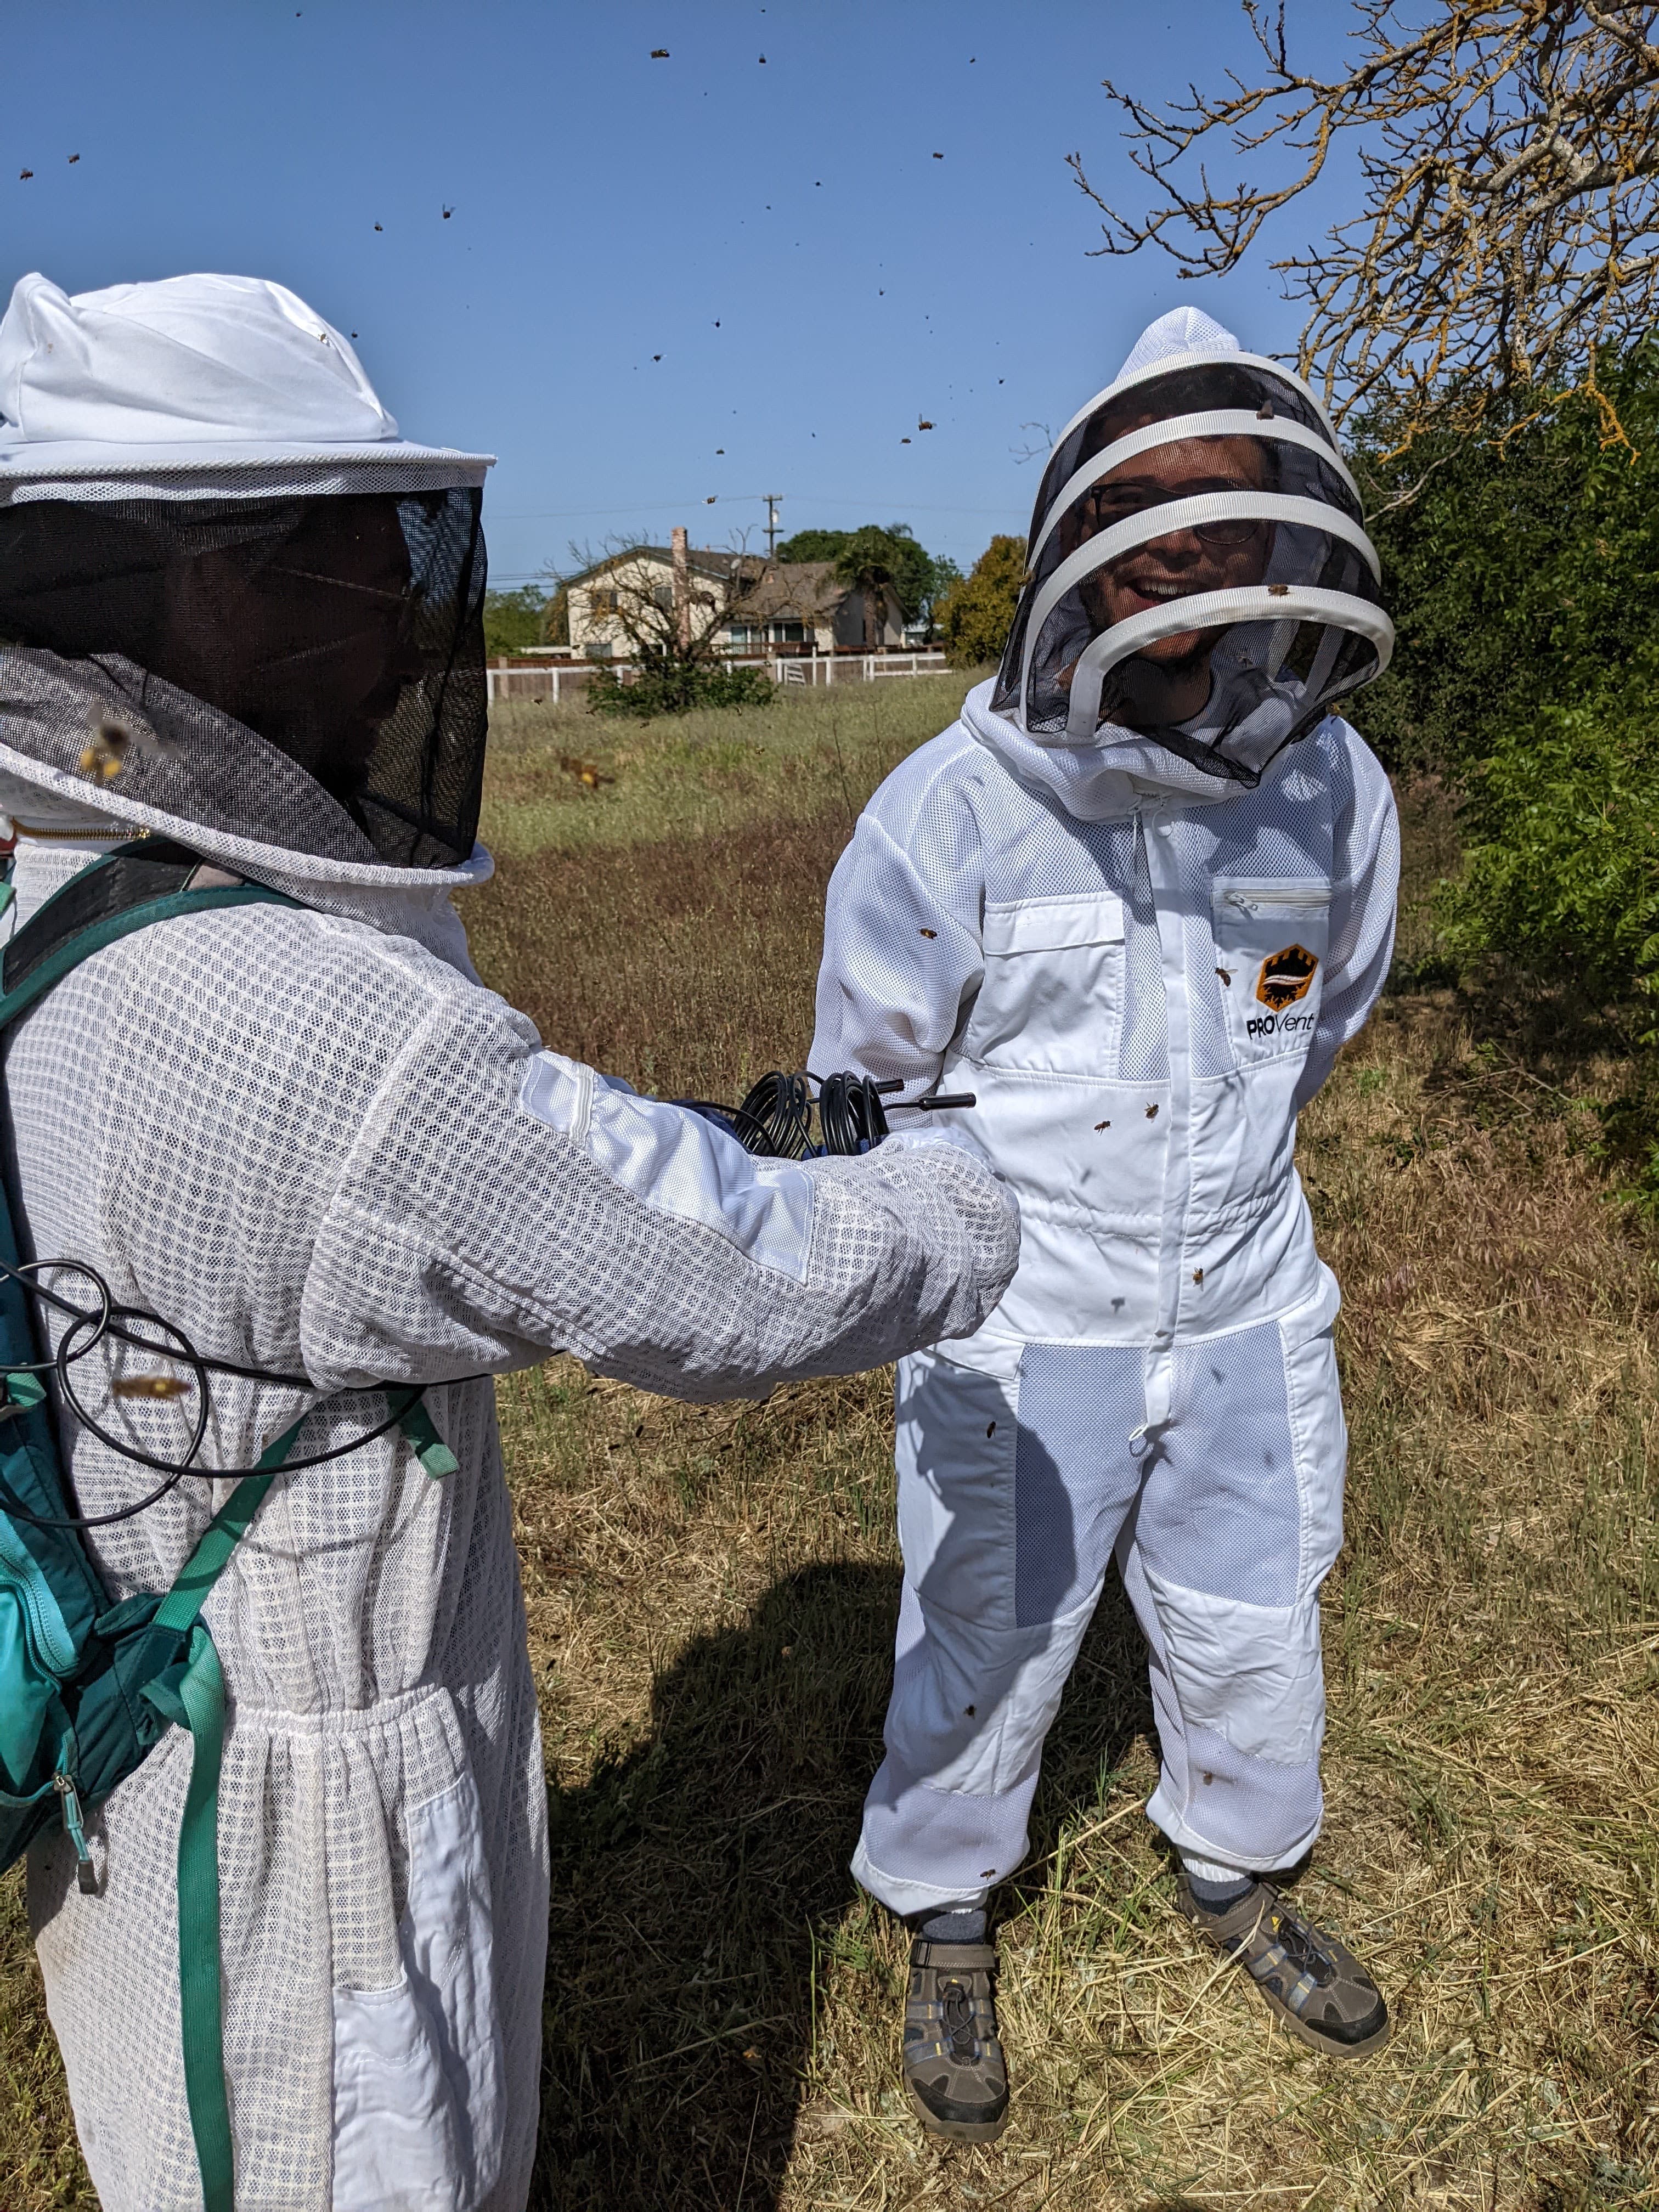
420,1433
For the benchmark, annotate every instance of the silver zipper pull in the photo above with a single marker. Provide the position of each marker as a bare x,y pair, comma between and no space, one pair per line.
86,1875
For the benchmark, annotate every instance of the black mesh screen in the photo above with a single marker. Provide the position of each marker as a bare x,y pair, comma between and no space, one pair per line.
1262,513
347,632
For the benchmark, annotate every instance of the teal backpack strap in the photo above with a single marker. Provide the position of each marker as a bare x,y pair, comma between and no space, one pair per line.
192,1695
132,887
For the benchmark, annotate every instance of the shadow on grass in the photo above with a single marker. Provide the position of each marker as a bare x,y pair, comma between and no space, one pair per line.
693,1875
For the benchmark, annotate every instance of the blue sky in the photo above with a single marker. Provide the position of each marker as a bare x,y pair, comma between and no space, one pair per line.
660,280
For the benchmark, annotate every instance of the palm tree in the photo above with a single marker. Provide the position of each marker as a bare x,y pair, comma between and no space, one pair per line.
866,562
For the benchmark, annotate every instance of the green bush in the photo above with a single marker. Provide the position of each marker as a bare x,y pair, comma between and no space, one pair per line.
977,614
1525,570
1561,878
1561,872
676,687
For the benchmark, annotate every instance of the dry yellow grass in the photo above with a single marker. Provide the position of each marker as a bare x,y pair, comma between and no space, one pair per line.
712,1593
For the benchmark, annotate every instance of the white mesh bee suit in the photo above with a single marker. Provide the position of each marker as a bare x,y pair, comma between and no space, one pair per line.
311,1138
1142,958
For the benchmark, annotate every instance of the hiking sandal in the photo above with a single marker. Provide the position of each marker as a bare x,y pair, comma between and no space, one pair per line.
955,2074
1314,1984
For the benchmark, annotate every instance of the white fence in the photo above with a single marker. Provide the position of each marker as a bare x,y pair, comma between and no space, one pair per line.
855,667
550,681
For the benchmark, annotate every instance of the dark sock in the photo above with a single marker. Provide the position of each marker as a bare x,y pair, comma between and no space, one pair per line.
956,1924
1217,1896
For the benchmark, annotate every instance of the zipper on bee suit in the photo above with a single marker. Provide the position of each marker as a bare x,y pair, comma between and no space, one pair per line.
1161,875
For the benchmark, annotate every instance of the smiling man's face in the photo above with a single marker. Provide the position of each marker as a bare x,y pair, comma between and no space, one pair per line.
1211,557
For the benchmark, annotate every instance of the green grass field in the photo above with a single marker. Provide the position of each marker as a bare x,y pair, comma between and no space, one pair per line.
712,1593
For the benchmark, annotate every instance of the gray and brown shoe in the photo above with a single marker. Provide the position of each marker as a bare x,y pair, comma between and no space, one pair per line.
955,2074
1316,1984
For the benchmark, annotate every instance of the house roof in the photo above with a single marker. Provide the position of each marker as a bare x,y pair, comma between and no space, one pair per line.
707,560
806,590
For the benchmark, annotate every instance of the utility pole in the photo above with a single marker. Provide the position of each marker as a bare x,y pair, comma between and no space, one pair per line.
774,502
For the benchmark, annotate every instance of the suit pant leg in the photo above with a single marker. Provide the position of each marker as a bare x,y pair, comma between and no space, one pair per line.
1012,1493
1238,1521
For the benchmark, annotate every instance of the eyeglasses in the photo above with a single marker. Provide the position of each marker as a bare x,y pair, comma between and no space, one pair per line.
1109,504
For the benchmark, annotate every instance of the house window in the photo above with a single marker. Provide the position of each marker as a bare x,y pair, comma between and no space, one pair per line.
787,633
662,595
603,602
743,634
600,648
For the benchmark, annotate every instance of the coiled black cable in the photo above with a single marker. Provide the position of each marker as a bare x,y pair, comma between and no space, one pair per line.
123,1324
851,1115
782,1107
774,1122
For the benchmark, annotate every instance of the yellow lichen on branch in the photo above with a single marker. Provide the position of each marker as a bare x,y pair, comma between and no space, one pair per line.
1509,223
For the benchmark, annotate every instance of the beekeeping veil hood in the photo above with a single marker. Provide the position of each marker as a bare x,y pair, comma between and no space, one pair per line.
232,598
1198,578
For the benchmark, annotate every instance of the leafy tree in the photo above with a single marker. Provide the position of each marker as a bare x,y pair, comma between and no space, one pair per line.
1519,570
885,564
1508,224
977,612
814,546
1562,843
945,577
1524,581
513,620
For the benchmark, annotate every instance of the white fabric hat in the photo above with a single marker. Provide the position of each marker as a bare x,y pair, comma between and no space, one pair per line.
195,387
1182,330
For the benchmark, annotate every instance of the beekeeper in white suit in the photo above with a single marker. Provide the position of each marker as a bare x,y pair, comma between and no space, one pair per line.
242,612
1135,901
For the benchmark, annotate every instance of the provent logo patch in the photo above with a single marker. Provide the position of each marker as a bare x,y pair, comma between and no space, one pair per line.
1285,976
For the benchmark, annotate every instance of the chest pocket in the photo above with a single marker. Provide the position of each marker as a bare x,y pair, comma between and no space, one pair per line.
1271,940
1052,999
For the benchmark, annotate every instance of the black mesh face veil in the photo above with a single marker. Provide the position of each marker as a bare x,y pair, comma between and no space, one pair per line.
1197,572
346,631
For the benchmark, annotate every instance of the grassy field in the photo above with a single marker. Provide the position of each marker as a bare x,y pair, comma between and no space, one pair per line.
712,1593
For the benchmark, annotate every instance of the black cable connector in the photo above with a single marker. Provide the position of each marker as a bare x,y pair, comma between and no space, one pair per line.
774,1122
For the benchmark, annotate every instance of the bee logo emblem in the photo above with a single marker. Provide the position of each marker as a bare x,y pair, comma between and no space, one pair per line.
1285,976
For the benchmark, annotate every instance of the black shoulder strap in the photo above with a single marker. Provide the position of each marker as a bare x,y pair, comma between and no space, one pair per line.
151,880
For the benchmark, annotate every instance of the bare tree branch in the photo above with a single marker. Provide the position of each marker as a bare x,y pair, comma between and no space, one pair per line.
1509,225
